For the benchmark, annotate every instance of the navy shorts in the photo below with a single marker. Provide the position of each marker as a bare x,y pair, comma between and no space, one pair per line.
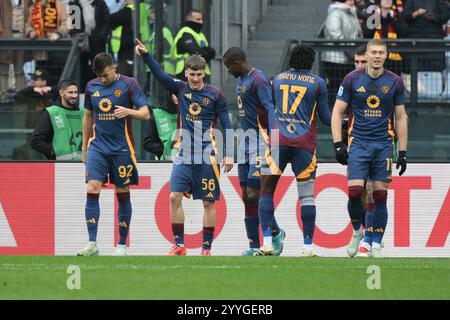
199,180
250,173
303,162
121,169
370,160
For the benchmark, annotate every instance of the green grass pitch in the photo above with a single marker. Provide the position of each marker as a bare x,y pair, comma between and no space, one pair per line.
139,277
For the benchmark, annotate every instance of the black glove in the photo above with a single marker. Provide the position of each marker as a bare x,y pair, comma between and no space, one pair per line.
341,152
401,162
344,124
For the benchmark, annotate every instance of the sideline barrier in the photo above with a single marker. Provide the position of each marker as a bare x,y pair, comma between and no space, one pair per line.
42,212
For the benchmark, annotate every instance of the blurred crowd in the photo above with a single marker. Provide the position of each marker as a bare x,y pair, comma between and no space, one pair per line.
384,19
98,26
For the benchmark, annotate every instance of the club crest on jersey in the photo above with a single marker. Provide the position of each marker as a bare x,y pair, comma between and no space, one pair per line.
385,89
117,93
105,105
373,101
290,128
195,108
206,101
244,89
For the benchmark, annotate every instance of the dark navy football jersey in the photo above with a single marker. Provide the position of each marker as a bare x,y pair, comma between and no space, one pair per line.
371,103
112,135
198,111
254,100
299,96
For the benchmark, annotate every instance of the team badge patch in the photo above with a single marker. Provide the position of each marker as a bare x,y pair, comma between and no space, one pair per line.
385,89
117,93
206,101
341,91
244,89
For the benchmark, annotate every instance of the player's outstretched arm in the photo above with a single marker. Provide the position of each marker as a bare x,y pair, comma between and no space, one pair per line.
88,122
165,79
141,114
401,125
225,122
336,129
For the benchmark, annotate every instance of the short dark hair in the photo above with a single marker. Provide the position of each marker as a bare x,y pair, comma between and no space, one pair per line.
64,84
195,62
102,61
361,50
189,14
233,54
302,57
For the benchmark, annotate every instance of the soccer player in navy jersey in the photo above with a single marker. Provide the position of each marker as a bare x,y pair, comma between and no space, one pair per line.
195,170
298,95
374,96
107,148
254,100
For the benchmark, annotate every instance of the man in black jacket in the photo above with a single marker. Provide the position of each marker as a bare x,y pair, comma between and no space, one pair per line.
426,19
187,44
64,121
38,96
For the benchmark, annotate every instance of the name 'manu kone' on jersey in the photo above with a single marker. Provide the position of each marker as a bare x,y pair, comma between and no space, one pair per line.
299,96
371,103
112,135
254,100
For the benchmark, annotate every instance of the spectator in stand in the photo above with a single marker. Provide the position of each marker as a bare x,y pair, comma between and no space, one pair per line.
92,34
122,37
391,26
40,94
341,24
47,19
115,5
426,19
13,15
36,98
362,8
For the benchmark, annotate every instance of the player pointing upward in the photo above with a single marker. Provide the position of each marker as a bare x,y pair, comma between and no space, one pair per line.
200,106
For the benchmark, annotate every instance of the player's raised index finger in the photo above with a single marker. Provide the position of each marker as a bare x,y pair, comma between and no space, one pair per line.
139,43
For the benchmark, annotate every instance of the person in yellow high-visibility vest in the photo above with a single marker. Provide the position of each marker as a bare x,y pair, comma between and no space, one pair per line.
190,40
122,40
